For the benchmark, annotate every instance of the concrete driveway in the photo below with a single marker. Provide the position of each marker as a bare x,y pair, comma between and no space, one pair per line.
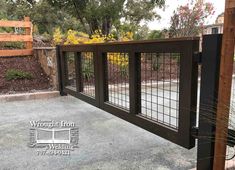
105,142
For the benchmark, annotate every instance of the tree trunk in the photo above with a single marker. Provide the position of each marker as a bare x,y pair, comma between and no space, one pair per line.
106,26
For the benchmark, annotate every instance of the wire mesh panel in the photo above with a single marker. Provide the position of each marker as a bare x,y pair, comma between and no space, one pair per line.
160,87
118,79
70,70
88,78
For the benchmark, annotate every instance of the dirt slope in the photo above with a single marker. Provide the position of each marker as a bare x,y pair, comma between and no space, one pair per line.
30,64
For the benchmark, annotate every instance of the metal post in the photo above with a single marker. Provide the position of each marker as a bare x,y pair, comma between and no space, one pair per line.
103,77
59,67
211,50
135,83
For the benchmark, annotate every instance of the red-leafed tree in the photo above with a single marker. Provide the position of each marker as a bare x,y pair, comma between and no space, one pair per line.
188,20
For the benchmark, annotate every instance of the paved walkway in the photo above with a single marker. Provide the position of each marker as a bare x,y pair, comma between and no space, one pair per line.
105,142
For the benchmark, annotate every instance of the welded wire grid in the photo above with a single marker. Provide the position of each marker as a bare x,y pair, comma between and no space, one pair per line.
88,77
160,87
118,79
70,70
230,153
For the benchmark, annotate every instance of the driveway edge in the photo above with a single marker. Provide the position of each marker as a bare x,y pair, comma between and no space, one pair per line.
29,96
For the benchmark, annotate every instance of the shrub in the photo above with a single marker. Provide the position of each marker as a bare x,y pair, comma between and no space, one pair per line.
13,74
75,37
11,45
57,36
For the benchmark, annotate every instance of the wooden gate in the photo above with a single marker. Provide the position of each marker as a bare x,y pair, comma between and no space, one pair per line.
27,38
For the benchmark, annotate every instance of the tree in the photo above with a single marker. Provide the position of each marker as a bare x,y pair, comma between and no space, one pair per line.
105,14
3,12
84,15
141,33
188,20
44,16
17,9
157,34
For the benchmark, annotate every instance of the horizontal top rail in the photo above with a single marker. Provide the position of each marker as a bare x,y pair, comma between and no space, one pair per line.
18,24
162,45
139,42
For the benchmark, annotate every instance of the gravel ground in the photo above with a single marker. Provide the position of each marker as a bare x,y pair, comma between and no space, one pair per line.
105,142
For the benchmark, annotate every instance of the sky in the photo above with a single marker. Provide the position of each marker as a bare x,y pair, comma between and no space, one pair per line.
172,5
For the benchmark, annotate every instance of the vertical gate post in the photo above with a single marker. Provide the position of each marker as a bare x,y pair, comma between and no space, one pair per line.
135,82
225,82
211,50
59,68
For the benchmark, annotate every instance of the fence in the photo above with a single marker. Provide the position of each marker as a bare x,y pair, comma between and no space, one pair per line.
27,38
152,84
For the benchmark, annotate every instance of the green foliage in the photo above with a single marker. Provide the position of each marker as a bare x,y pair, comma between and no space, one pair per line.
87,69
156,34
13,74
137,11
47,17
84,15
43,15
6,30
12,45
3,12
141,33
105,14
17,9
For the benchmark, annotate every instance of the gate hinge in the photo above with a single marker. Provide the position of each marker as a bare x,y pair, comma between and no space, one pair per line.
230,138
198,57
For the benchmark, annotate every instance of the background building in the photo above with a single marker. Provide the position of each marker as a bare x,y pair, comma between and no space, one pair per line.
216,28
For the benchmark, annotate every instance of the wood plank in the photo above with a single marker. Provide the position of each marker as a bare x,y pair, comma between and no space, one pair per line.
11,53
20,24
15,38
231,3
225,83
28,31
